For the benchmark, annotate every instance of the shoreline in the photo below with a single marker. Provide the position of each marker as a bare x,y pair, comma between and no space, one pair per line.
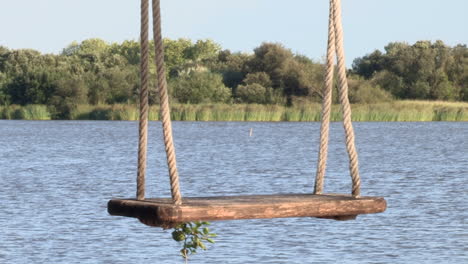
395,111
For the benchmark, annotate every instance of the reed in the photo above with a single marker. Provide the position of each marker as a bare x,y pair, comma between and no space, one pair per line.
28,112
124,112
36,112
305,112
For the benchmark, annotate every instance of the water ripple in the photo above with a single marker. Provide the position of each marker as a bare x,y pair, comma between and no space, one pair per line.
56,178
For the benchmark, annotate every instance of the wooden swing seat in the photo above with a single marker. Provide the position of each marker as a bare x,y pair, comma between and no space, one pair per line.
162,212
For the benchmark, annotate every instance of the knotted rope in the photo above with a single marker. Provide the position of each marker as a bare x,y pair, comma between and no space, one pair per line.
164,104
143,123
335,44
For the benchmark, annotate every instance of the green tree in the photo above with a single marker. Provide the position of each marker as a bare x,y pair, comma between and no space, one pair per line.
233,67
94,46
4,96
4,52
292,75
256,88
203,51
253,93
272,58
457,69
424,70
302,78
69,92
261,78
113,85
175,54
129,49
91,53
200,87
362,91
368,65
30,76
391,82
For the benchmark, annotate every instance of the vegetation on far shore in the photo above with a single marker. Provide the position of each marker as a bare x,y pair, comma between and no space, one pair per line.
99,80
388,111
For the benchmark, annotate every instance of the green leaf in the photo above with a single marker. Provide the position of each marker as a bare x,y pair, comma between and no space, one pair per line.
202,246
193,235
196,241
178,236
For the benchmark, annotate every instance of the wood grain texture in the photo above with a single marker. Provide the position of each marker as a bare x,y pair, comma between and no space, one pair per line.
162,212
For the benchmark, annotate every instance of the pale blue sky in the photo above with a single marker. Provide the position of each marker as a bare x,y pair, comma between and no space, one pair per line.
240,25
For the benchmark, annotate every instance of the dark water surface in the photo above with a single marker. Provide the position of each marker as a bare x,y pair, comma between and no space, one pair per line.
56,178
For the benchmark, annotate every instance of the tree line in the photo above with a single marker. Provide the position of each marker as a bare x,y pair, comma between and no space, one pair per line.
97,72
425,70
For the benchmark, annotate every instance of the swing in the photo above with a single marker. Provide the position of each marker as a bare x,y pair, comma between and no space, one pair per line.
167,212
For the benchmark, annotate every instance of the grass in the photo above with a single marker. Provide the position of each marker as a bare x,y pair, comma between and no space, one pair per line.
28,112
389,111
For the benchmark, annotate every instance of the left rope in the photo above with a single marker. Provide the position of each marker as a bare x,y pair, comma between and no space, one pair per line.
143,122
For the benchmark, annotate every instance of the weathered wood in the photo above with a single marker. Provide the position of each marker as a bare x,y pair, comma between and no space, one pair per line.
162,212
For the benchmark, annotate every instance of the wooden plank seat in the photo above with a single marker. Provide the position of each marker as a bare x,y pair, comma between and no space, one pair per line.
162,212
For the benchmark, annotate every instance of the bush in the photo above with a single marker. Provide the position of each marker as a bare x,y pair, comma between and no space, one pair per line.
62,108
261,78
252,93
363,92
257,88
200,87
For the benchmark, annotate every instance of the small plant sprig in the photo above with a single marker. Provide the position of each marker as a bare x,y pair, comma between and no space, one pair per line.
192,235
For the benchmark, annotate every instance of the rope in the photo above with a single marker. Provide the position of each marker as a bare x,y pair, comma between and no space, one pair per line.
164,103
335,42
143,123
345,107
336,26
326,106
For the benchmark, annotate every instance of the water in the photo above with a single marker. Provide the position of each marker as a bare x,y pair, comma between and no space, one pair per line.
56,178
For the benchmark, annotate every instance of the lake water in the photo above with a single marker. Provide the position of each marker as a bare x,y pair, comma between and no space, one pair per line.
57,176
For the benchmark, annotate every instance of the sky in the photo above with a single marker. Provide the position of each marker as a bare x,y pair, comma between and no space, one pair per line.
238,25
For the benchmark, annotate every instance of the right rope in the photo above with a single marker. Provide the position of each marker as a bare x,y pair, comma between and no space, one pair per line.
164,104
336,45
